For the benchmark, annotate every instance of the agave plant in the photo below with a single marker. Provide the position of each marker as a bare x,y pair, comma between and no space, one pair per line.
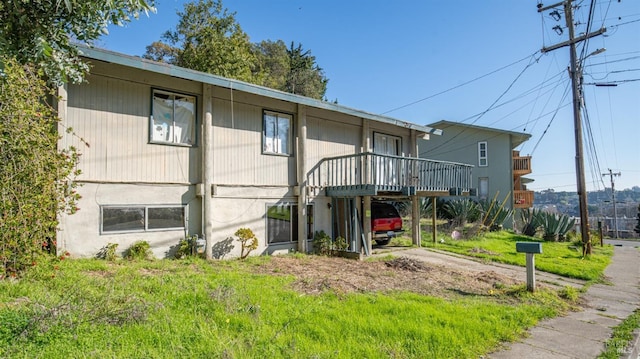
531,221
550,223
555,226
461,211
566,224
494,213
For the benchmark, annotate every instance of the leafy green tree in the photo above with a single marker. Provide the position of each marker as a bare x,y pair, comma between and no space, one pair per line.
41,32
208,39
273,65
35,179
305,76
290,69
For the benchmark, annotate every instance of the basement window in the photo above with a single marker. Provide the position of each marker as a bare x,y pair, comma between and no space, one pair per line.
173,119
282,223
125,219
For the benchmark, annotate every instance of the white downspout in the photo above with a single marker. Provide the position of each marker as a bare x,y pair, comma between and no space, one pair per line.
302,179
207,169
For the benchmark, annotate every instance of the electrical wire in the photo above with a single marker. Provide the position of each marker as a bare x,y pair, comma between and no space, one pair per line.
532,60
462,84
555,113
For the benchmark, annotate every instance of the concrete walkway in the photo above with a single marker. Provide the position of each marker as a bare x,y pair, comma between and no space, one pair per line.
583,334
578,334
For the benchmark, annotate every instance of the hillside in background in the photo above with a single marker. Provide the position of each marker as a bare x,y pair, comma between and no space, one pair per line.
600,204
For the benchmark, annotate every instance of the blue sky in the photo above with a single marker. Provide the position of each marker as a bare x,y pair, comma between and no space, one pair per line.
476,62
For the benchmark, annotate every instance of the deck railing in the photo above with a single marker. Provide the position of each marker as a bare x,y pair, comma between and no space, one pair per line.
522,199
521,165
390,173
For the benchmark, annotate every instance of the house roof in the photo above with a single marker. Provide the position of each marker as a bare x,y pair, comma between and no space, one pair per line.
517,138
188,74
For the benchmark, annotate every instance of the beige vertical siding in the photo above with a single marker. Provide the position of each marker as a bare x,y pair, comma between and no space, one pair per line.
237,147
112,116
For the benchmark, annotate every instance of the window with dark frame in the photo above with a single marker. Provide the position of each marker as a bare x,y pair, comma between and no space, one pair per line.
123,219
282,223
276,133
173,119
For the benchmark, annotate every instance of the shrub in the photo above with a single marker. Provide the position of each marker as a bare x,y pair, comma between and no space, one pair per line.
36,179
108,252
322,243
186,247
248,241
340,244
138,251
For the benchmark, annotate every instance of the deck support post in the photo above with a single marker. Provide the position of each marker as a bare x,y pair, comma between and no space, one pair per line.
415,221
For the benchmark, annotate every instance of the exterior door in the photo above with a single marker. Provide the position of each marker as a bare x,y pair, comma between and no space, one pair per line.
387,169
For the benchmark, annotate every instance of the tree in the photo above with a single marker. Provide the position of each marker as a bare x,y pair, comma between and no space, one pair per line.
289,69
305,76
273,65
41,32
208,39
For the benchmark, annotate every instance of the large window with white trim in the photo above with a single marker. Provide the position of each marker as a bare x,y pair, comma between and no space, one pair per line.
276,133
123,219
483,156
282,223
173,119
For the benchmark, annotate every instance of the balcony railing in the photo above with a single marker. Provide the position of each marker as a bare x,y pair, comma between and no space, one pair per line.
522,199
373,174
521,165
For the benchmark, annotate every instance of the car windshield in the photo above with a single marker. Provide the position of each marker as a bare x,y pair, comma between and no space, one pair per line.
384,210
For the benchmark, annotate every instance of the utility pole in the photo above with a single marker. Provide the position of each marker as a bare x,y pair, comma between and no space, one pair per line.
575,71
613,199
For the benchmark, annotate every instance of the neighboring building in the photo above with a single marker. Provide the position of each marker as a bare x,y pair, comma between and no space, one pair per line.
174,152
499,168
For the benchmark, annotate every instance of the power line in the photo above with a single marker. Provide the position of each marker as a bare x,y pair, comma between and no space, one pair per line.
458,86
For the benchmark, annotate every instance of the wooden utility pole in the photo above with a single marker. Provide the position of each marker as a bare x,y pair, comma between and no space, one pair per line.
613,199
575,71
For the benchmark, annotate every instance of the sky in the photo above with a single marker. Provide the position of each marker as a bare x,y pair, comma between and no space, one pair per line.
476,62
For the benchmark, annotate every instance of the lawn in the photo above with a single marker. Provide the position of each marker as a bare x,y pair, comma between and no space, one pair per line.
224,309
563,258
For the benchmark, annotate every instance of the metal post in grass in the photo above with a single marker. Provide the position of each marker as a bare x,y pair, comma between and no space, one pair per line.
530,249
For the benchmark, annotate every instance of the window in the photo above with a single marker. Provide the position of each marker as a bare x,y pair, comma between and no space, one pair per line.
482,154
276,133
282,223
119,219
173,119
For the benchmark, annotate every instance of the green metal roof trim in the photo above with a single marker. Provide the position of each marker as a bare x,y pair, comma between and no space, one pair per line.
187,74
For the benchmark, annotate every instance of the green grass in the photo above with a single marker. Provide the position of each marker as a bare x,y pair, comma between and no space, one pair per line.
561,258
194,308
621,337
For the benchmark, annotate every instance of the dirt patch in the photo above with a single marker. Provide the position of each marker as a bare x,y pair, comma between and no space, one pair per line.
317,274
